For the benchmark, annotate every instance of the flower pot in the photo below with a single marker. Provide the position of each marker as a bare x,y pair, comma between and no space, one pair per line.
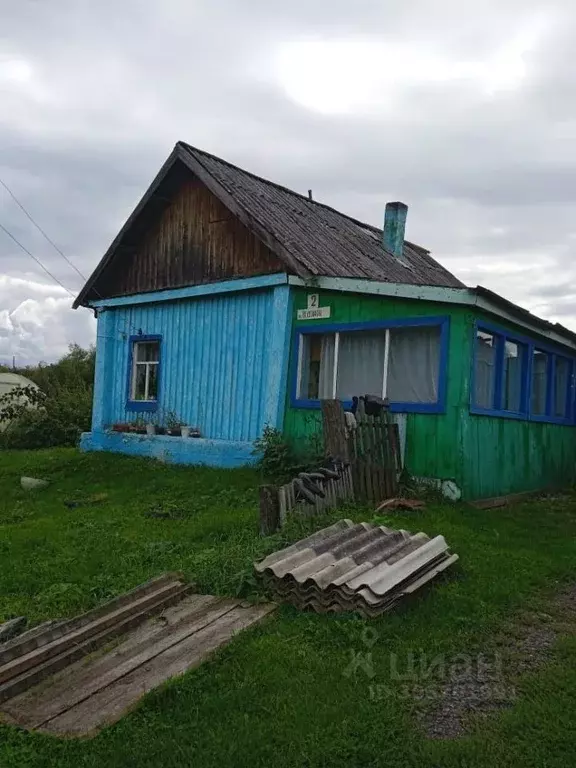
174,431
185,431
150,429
160,430
195,432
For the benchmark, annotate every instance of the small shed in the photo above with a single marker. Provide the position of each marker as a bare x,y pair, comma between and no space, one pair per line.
228,302
10,381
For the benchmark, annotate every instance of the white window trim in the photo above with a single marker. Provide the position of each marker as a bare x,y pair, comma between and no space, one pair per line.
386,360
335,368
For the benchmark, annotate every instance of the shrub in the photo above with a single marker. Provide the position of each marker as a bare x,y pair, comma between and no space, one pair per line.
56,413
279,462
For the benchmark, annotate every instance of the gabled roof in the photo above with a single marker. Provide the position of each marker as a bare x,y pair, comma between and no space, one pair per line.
311,238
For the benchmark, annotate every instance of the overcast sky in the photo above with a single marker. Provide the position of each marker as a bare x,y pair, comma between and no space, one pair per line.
466,112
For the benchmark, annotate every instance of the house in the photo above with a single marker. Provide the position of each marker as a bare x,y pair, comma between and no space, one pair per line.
228,303
9,382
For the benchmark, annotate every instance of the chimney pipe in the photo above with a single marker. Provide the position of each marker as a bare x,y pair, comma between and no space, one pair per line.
394,228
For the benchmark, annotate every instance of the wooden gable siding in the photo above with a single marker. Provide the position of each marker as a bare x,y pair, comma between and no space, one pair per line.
195,240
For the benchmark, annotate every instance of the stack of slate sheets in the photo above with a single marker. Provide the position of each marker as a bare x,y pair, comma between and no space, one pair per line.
354,567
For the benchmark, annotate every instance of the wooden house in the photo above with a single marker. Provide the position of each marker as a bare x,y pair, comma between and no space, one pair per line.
228,303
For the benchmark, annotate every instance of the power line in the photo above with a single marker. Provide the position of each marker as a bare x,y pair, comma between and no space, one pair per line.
53,244
39,228
37,260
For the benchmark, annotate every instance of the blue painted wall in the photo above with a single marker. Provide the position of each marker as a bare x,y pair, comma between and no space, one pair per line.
223,361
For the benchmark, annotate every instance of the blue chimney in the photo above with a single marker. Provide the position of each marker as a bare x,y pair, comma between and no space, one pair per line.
394,227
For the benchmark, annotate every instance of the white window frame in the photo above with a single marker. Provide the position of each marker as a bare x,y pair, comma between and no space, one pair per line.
147,364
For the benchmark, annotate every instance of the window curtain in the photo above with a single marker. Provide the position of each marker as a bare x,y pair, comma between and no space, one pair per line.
562,368
513,364
414,364
539,377
326,367
485,367
360,364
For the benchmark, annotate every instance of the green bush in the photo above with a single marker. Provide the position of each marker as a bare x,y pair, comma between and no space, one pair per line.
279,462
58,412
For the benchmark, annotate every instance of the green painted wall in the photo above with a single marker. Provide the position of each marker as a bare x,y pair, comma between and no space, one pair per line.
502,456
430,438
485,456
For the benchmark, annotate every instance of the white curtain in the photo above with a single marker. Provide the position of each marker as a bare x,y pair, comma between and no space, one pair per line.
326,367
513,363
360,364
561,386
485,367
414,365
539,377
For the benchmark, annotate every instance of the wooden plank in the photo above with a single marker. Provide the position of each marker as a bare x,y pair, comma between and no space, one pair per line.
111,703
502,501
282,504
55,663
334,430
269,510
72,639
51,631
39,704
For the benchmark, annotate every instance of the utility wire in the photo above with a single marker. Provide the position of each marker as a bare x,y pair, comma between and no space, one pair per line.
37,260
39,228
52,243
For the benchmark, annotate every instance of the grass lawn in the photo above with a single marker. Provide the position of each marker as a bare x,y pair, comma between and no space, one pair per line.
285,693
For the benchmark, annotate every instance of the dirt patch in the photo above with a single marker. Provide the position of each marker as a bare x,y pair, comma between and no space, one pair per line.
482,683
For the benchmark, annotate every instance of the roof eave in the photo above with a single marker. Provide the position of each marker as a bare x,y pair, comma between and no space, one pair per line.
479,298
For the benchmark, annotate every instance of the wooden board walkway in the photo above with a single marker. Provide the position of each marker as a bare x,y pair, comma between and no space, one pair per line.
99,689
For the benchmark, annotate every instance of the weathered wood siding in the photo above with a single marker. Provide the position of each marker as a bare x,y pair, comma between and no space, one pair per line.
193,240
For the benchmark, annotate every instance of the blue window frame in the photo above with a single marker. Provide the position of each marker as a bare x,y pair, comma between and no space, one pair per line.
144,373
404,360
515,377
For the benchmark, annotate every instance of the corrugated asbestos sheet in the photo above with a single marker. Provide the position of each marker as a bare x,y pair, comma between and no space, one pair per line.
325,241
215,353
354,567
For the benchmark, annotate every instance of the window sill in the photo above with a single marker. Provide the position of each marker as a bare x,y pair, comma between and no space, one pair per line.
142,405
394,407
520,417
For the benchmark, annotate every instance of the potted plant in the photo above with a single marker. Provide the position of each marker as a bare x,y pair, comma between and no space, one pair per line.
150,428
120,427
173,424
195,432
139,426
185,430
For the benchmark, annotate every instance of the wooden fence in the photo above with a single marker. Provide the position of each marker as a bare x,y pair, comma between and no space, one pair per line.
371,445
277,503
367,452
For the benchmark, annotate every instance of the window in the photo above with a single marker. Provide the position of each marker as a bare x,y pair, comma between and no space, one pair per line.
401,362
562,386
485,369
515,378
539,385
514,365
145,369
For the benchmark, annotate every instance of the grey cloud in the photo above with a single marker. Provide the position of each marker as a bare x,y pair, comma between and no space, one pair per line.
489,178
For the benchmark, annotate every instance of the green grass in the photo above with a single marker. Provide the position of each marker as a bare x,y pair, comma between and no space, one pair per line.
278,695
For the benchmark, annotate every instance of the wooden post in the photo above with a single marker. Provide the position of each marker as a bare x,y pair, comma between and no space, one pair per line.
334,429
269,510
